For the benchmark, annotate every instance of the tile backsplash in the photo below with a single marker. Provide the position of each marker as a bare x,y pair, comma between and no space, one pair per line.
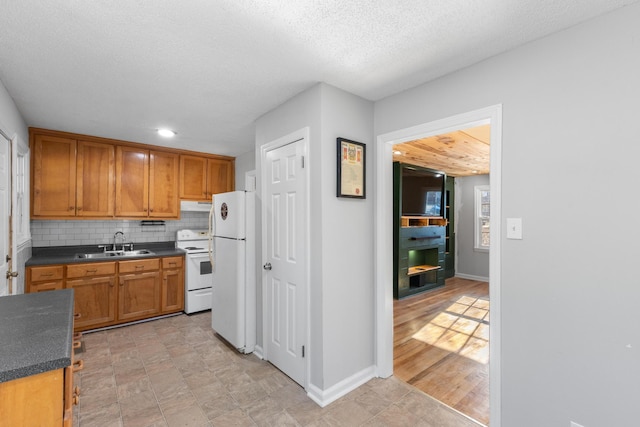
45,233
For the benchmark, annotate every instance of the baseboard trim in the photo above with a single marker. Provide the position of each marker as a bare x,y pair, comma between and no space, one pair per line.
258,352
335,392
472,277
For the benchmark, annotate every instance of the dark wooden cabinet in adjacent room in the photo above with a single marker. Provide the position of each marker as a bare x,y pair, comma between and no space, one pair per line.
418,240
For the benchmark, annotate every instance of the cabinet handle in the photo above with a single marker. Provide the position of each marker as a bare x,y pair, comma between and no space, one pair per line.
77,316
78,365
139,266
91,271
75,399
172,263
71,208
150,210
77,335
76,391
121,283
80,208
46,274
77,344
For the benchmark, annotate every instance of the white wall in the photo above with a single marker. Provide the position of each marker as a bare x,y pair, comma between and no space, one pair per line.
244,163
570,341
12,123
341,288
470,262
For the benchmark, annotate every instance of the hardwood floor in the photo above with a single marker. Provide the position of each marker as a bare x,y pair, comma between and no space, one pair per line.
441,345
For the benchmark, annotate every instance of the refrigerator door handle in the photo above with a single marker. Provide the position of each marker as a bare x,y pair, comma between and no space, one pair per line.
212,230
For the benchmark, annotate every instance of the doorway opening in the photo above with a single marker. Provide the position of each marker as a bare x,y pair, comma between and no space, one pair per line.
476,302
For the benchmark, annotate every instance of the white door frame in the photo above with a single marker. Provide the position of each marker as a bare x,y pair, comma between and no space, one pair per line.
384,238
301,134
7,287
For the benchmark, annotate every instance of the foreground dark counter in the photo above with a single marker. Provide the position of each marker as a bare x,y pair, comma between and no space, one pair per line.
36,333
66,254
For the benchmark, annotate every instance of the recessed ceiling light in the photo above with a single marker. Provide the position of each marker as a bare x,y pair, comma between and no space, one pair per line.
397,152
167,133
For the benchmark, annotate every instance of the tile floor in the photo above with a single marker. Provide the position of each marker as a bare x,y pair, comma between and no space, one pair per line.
176,372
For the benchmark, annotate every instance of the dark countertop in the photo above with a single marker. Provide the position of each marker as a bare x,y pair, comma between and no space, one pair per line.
66,254
36,333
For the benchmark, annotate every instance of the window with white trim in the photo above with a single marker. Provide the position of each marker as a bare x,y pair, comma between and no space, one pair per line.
482,201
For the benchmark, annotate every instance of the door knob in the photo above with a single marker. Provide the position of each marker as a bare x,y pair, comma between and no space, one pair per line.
267,266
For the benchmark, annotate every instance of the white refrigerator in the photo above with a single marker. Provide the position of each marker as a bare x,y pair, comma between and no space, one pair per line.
232,252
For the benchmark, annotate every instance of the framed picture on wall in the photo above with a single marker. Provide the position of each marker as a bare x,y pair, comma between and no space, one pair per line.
351,179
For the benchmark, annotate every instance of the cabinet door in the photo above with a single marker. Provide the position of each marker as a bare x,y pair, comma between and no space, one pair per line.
163,185
94,301
139,295
172,290
219,176
95,179
132,182
54,176
193,178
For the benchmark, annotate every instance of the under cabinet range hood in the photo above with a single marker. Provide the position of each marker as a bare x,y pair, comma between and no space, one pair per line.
192,206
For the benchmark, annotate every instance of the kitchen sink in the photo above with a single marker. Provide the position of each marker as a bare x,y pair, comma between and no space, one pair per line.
98,255
135,253
112,254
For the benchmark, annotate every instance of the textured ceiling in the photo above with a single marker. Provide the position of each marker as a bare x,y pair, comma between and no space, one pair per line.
209,68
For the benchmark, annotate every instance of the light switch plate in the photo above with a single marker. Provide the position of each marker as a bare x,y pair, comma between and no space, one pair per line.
514,228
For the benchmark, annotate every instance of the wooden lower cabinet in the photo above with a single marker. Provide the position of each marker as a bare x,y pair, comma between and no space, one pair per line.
51,396
45,278
45,394
109,293
172,284
139,295
95,299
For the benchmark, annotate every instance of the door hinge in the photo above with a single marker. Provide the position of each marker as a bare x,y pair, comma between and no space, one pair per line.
302,351
302,157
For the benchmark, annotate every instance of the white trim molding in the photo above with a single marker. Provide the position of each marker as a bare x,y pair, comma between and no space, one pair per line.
335,392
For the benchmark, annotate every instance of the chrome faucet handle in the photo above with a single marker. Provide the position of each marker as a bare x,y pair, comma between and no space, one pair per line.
103,247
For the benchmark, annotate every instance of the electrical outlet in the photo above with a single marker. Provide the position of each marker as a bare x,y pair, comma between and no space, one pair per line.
574,424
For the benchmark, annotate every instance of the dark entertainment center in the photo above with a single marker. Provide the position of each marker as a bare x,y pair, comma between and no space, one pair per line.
420,229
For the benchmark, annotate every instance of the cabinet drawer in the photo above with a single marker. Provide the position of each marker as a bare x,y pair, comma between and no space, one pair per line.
139,265
93,269
46,273
53,285
172,262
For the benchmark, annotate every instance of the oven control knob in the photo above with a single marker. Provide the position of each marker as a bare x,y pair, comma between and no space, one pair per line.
267,266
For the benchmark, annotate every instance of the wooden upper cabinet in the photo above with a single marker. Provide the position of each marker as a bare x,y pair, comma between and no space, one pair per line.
163,185
193,178
219,176
54,176
95,179
146,183
201,177
83,176
132,182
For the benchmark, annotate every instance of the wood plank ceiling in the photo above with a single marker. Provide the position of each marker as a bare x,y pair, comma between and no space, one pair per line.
459,153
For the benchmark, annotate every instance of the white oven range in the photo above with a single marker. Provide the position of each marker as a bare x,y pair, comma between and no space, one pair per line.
197,277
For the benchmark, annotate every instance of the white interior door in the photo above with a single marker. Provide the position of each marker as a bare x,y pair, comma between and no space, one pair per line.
5,209
285,278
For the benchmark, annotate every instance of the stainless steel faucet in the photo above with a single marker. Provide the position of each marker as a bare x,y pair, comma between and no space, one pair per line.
115,240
